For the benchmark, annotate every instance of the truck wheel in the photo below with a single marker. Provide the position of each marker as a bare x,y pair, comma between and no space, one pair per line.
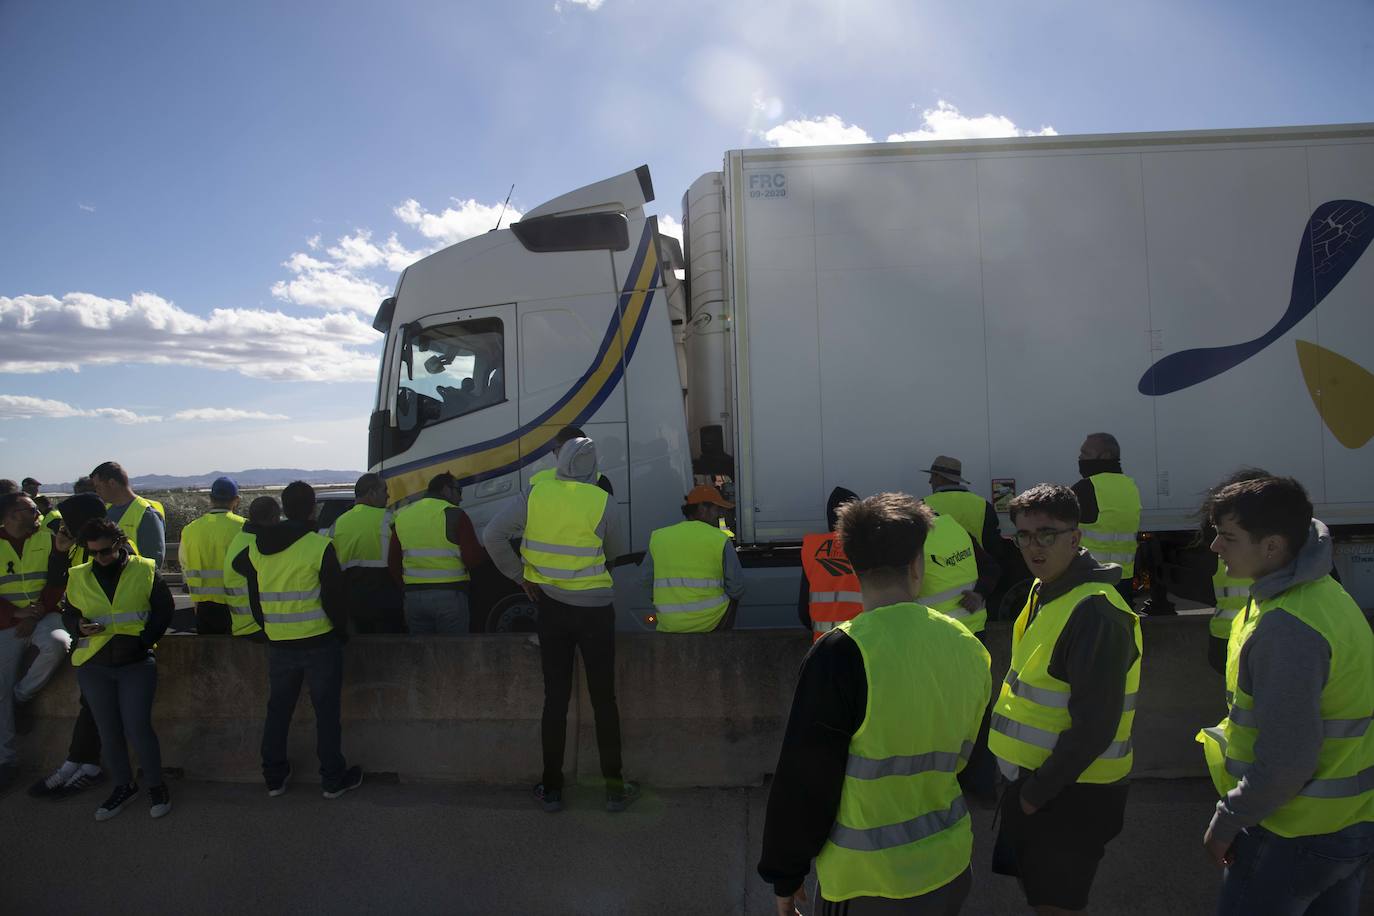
515,613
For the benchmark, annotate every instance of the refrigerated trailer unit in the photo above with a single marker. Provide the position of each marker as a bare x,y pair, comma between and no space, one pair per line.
846,313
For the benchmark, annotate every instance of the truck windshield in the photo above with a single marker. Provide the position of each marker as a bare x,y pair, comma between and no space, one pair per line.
459,368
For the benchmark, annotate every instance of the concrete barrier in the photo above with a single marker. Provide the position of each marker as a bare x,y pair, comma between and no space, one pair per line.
705,710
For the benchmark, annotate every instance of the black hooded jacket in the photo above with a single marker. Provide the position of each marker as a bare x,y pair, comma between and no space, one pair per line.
273,539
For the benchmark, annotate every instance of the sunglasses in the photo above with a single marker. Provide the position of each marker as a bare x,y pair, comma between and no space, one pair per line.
1045,537
104,551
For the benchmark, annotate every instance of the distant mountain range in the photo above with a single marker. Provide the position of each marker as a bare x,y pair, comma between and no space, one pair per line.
253,477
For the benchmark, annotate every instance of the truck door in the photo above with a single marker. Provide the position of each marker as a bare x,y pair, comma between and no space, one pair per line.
453,397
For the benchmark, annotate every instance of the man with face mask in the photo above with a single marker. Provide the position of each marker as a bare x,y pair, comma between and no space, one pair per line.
1109,507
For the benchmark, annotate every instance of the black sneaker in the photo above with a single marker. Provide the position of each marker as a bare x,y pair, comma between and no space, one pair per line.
278,788
619,801
550,799
77,783
121,796
352,778
161,800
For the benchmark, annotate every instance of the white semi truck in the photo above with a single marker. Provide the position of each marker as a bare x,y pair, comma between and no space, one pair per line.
844,314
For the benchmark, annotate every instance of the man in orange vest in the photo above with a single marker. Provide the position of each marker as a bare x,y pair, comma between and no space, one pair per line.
829,589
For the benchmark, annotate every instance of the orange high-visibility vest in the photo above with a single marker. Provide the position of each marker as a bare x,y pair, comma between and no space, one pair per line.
835,595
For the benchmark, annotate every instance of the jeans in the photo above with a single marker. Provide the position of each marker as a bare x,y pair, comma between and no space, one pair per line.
85,746
564,628
52,643
1299,876
440,611
121,699
375,602
11,655
322,669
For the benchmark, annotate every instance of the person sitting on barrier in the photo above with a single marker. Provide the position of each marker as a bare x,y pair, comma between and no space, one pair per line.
693,569
1061,725
81,770
887,708
121,607
1293,758
433,549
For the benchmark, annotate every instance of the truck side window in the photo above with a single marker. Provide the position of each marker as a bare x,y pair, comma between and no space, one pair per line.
459,369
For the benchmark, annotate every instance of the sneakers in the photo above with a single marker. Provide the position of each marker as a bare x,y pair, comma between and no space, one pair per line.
277,789
121,796
550,799
352,778
161,800
619,801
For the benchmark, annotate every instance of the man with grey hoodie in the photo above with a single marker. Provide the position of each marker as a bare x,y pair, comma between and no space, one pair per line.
1294,757
570,537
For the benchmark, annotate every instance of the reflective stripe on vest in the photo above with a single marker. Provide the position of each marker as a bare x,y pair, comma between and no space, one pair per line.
23,577
1232,595
362,537
689,576
289,588
427,555
902,828
968,509
1032,708
124,616
562,543
834,589
1341,790
236,587
1112,538
204,543
950,570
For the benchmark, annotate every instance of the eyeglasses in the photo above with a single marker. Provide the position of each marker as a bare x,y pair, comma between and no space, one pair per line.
1045,537
104,551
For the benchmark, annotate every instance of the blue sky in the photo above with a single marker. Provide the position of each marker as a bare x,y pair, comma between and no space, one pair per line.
202,203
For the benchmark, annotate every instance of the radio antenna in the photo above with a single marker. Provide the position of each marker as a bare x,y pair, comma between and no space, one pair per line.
503,207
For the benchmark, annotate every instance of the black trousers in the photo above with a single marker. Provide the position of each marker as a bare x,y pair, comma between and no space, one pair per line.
321,669
563,629
213,619
85,746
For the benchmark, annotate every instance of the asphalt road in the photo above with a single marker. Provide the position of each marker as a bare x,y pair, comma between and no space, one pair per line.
388,848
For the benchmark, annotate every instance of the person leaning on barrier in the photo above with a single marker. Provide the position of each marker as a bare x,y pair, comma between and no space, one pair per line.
885,714
434,549
296,594
570,535
81,769
263,513
120,607
141,520
1109,509
1294,757
1061,724
33,570
203,550
693,569
362,538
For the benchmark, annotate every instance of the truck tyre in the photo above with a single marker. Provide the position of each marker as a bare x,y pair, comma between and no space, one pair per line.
514,613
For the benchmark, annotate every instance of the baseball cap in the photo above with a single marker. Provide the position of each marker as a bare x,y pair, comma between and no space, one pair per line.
224,488
708,494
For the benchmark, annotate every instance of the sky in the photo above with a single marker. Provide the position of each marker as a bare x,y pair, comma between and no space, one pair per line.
202,204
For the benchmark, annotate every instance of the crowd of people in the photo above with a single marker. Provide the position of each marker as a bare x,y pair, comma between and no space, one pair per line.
896,728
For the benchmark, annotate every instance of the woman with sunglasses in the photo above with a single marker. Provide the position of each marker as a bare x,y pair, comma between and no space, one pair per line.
121,607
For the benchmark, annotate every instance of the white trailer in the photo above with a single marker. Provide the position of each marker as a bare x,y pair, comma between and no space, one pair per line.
850,312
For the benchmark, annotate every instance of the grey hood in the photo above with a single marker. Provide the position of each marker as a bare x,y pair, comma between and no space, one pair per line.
577,461
1312,562
1083,570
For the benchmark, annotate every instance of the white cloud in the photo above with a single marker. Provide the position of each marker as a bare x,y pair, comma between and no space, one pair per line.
306,440
225,414
358,252
84,329
87,207
328,285
822,131
24,407
313,242
667,225
455,224
589,5
945,122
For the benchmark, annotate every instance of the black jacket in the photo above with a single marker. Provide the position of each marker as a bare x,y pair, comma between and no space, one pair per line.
273,539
